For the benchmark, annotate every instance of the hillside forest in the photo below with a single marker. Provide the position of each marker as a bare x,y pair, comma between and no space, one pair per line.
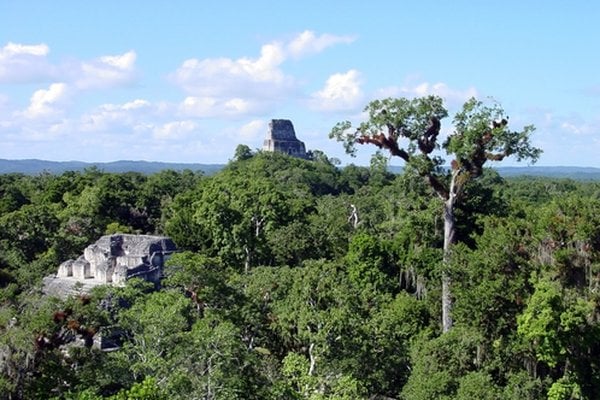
300,279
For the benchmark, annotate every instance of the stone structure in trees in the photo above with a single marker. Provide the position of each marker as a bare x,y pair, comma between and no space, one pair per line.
281,137
113,259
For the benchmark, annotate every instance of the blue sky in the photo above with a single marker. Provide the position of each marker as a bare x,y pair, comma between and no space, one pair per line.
187,81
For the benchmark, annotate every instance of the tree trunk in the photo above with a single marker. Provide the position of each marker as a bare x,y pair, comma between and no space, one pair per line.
313,360
449,240
247,260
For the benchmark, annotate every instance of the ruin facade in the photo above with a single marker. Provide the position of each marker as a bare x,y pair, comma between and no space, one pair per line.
113,259
281,137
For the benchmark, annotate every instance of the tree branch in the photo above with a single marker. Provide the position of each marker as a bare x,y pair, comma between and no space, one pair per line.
437,186
384,142
426,144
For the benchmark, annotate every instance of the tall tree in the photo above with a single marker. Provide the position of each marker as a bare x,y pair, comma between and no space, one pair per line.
409,129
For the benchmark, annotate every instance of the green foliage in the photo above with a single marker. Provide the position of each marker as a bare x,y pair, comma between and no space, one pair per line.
477,385
565,389
305,386
318,312
203,279
242,152
475,118
329,306
540,322
439,365
11,194
408,117
492,278
148,389
368,264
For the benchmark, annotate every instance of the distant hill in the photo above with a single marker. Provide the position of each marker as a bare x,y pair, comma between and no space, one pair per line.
577,173
32,167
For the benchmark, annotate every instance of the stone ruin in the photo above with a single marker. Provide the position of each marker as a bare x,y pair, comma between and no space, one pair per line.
281,137
113,259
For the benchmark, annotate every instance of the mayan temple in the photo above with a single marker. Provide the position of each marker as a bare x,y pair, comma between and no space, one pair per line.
112,260
281,137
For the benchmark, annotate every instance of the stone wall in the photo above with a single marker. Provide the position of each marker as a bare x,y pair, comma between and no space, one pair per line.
116,258
281,137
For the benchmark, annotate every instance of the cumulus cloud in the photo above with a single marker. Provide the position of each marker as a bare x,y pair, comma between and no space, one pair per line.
309,43
21,63
566,139
198,106
342,92
242,89
212,107
579,128
43,102
572,128
253,130
453,97
235,87
106,71
568,127
12,49
222,76
136,104
174,130
227,77
115,117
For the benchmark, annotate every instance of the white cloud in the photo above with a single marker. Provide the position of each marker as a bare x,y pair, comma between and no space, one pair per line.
106,71
574,129
238,106
119,117
237,87
453,97
566,127
261,76
21,63
342,92
136,104
174,130
123,62
253,130
244,89
226,77
309,43
198,106
210,107
12,49
43,102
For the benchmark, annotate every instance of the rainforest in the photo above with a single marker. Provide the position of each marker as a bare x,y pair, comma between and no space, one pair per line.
301,279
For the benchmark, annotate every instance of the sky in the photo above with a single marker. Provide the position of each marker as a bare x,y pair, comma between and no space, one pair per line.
188,81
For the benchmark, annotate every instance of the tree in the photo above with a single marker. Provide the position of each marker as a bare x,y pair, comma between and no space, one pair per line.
242,152
202,278
481,134
241,207
439,365
319,318
156,325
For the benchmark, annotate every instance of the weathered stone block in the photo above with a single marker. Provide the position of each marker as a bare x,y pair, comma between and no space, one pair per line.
65,269
281,137
113,259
